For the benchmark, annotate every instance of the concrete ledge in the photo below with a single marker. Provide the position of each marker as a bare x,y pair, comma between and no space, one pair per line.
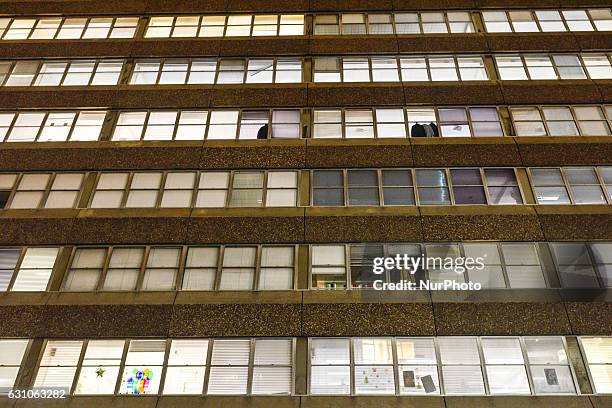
580,222
564,151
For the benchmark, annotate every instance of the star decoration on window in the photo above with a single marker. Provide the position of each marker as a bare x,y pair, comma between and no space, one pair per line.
100,372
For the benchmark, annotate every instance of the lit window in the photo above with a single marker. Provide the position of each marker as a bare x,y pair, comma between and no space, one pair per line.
272,372
390,123
592,121
549,365
407,23
461,371
598,353
7,183
143,190
229,367
143,367
505,367
8,262
212,26
569,67
359,124
330,367
178,189
550,20
161,269
577,20
200,268
584,185
362,263
58,364
281,189
11,356
109,191
432,187
327,124
247,189
523,266
145,73
328,267
238,26
549,186
213,189
123,269
100,367
510,68
422,122
380,24
231,71
326,25
276,268
327,69
72,29
353,24
385,70
174,72
602,18
417,367
598,66
502,186
496,21
86,269
491,276
22,74
223,125
528,122
238,269
373,369
186,367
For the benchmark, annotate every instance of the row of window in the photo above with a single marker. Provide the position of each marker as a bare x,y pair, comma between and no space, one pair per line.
493,186
289,70
477,121
245,25
515,265
461,68
463,365
506,265
279,188
158,366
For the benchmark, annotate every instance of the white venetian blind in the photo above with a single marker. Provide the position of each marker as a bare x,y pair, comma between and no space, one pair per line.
229,371
58,364
35,269
272,372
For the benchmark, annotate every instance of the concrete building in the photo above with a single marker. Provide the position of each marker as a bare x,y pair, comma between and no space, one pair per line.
194,197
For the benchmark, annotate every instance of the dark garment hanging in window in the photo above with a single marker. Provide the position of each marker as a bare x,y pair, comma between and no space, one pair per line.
417,130
435,129
263,132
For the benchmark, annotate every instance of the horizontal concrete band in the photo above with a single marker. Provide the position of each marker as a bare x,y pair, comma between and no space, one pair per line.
360,313
323,402
306,225
307,153
308,45
217,6
312,94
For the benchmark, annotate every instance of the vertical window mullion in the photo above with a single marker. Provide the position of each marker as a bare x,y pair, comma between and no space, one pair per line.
208,363
217,277
251,363
483,366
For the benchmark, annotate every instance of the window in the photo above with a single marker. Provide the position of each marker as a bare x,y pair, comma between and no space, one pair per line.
143,367
123,269
598,353
229,367
574,265
45,190
432,187
602,255
330,366
523,265
70,73
8,262
571,185
86,269
549,366
215,26
11,357
69,28
186,367
328,188
35,270
469,186
504,365
405,23
417,367
208,71
378,69
100,367
328,266
547,20
558,66
51,126
58,364
461,369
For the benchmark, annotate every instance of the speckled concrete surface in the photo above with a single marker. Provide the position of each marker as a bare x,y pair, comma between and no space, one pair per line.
491,319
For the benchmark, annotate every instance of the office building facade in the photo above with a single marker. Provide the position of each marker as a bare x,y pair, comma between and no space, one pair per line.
208,203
